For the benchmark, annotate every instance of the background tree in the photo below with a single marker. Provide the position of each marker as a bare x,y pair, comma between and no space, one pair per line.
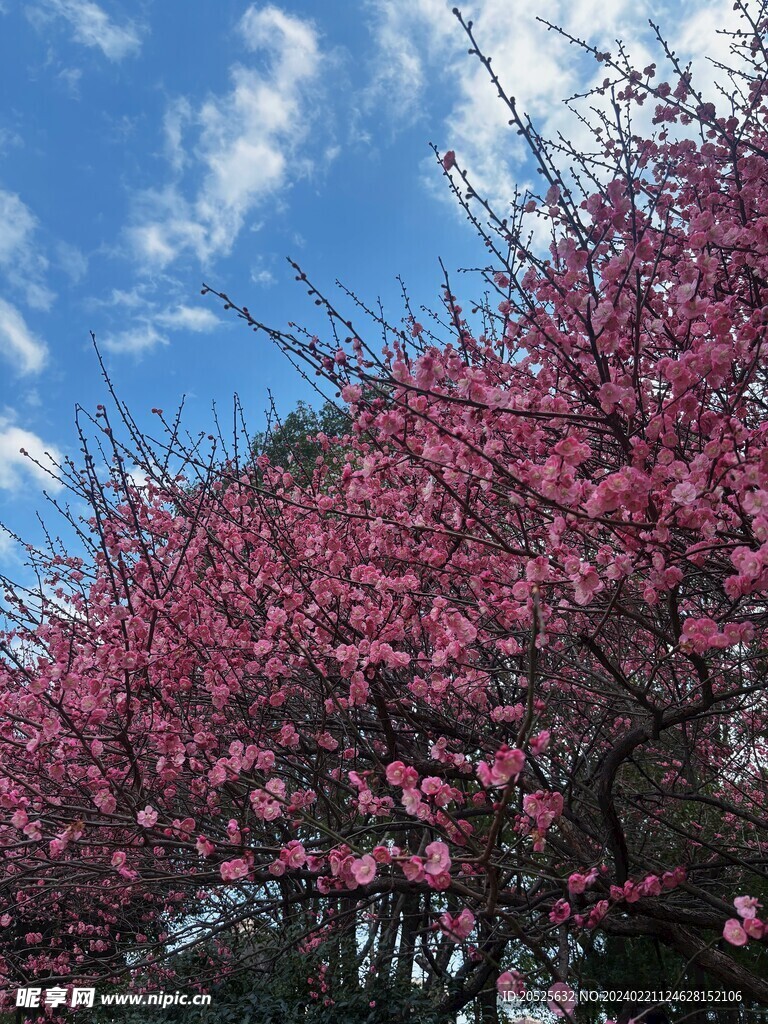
293,442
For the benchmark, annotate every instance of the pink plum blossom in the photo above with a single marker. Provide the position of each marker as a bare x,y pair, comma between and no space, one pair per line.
460,926
734,933
437,858
364,869
232,870
746,906
148,817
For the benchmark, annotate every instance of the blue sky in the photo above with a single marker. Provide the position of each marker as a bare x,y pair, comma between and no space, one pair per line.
150,145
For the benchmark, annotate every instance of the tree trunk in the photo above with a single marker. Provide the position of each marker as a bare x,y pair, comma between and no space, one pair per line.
408,933
488,1002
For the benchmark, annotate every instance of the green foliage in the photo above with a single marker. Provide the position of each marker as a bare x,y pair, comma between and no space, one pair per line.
642,964
264,1005
277,991
291,443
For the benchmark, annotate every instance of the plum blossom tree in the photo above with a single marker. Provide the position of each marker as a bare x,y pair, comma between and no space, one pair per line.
491,691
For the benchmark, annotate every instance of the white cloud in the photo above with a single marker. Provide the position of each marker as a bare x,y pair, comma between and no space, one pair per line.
92,26
411,38
146,324
9,139
132,299
72,261
190,318
420,41
70,79
177,117
248,144
17,343
14,466
17,223
700,34
263,276
134,340
21,259
8,545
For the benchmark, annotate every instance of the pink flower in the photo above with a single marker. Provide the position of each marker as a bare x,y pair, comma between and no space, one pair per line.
265,760
147,817
701,634
458,927
351,393
754,927
510,983
347,875
671,879
734,933
540,742
631,892
438,859
231,870
449,160
118,859
364,869
411,799
559,996
543,807
597,913
577,883
464,923
587,584
684,493
32,829
294,855
650,886
338,859
610,394
560,912
204,846
264,806
506,765
19,818
746,906
413,869
398,775
105,802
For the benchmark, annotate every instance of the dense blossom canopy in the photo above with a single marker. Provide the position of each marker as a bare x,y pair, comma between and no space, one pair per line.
495,660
